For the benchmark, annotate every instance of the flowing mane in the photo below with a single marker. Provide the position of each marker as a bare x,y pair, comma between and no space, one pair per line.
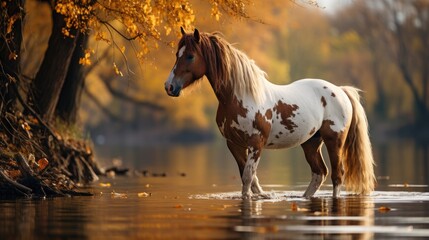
228,66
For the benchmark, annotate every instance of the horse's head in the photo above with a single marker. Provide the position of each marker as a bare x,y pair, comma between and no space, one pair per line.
190,64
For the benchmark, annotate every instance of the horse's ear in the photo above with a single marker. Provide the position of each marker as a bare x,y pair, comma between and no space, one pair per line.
183,31
197,35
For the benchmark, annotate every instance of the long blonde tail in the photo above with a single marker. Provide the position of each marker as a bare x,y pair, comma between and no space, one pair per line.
357,156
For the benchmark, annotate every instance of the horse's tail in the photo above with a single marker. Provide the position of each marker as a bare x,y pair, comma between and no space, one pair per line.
357,156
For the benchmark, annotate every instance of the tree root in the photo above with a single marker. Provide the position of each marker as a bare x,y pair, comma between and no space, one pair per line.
18,187
25,142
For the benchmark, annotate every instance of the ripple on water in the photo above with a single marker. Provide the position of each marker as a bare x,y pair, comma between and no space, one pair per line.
275,196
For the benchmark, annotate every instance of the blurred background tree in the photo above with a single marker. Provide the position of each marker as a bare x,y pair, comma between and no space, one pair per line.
356,44
124,51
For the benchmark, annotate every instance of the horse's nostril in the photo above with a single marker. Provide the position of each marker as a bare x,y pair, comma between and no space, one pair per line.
170,88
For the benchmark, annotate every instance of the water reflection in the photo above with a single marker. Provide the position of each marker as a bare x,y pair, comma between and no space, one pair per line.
404,161
398,162
174,210
42,219
349,217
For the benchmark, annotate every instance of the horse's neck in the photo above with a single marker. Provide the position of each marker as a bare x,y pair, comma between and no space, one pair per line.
224,94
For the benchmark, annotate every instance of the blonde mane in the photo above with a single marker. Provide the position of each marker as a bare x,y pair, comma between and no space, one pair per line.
229,67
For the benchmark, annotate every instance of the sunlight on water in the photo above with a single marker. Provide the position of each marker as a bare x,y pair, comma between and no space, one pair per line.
194,192
275,196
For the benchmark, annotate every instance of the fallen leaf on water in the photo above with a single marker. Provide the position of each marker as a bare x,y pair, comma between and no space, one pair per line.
384,209
270,229
114,194
178,206
294,206
143,194
105,184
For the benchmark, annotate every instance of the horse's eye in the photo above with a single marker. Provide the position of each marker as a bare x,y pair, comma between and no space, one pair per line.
189,57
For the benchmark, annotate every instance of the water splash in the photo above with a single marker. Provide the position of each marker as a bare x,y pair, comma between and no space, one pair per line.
276,196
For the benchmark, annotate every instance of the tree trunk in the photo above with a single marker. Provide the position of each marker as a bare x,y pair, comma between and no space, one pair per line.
71,92
403,63
52,73
10,50
380,107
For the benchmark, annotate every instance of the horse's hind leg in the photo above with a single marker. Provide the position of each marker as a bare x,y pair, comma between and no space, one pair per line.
312,151
334,142
240,155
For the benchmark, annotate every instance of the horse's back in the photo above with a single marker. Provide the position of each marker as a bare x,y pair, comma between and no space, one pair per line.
335,103
314,102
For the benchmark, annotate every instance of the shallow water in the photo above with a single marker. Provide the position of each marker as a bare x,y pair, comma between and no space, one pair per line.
199,199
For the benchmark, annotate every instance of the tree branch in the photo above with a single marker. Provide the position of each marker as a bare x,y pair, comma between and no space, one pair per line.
123,96
106,111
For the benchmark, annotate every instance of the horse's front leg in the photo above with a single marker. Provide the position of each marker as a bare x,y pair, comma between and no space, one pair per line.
240,156
249,172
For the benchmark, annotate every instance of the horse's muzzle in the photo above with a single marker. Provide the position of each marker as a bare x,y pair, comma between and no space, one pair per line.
172,90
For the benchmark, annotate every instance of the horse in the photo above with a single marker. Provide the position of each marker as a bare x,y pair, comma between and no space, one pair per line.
254,114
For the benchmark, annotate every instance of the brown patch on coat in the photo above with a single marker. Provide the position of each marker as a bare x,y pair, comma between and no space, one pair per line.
326,124
233,110
257,142
323,101
237,106
325,87
228,113
286,111
312,131
269,114
328,133
262,124
333,94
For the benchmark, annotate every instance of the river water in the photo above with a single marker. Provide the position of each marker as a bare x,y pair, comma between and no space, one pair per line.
193,192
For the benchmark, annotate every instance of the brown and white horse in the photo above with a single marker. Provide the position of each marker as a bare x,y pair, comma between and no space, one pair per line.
254,114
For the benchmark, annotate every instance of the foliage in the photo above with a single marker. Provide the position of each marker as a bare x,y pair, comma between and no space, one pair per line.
293,43
147,21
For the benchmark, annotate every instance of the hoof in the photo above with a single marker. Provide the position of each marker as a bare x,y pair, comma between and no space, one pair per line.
337,192
246,196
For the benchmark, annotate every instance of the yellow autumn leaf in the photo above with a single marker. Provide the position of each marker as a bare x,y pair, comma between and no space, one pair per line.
143,194
117,71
